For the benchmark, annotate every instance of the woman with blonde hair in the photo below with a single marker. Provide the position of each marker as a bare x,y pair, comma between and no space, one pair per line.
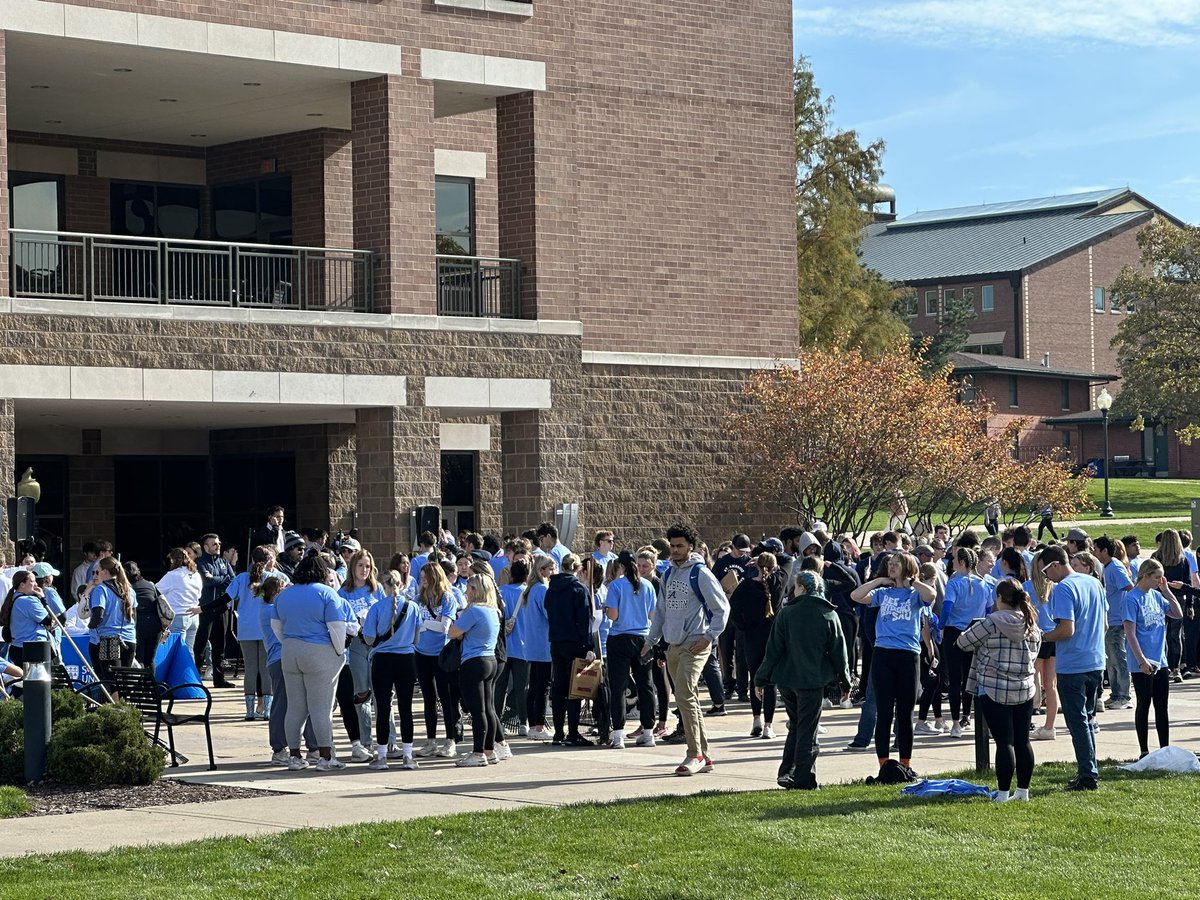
1038,588
437,608
361,590
478,627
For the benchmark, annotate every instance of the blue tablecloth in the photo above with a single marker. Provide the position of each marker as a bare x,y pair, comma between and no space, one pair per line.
173,664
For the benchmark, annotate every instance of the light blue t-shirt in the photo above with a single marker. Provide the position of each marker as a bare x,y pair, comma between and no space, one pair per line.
266,613
1135,563
1147,610
634,606
430,643
481,625
967,599
361,599
113,621
898,626
1080,598
306,611
499,563
515,642
28,613
559,552
536,636
1190,555
380,618
603,558
415,565
54,602
1116,583
1045,618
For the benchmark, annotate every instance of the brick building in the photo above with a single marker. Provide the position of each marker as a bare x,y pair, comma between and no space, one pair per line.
1037,274
359,256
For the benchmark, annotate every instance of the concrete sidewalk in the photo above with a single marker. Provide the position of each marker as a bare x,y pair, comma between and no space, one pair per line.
536,776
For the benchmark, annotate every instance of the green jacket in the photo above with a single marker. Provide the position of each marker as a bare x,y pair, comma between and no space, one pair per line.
806,650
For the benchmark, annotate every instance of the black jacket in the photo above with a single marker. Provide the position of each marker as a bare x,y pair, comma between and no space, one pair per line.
748,603
568,610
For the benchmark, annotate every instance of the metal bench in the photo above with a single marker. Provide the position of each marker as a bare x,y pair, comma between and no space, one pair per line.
1125,466
157,701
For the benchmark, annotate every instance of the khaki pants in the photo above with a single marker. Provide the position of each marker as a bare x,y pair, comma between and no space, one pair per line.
685,668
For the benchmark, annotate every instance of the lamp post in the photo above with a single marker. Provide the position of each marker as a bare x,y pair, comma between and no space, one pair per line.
1104,403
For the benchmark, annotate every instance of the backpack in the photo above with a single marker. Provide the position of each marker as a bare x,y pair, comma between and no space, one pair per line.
892,772
694,581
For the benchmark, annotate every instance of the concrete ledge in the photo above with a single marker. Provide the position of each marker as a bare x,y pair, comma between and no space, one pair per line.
683,361
492,394
464,436
485,71
460,164
507,7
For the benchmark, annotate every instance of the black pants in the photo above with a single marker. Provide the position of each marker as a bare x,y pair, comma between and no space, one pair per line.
477,682
958,667
148,633
1149,689
565,711
931,691
850,633
344,694
436,686
512,684
104,667
659,674
992,528
733,663
1047,524
535,696
1009,726
712,678
801,748
1191,643
1174,643
398,671
625,662
211,630
894,677
866,638
755,643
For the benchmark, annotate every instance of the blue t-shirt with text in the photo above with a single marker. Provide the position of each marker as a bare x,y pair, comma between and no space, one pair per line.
898,626
1147,610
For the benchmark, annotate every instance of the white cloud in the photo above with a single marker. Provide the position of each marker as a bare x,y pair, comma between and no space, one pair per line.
1139,23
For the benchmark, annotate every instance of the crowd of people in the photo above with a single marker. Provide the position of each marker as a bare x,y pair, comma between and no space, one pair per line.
493,632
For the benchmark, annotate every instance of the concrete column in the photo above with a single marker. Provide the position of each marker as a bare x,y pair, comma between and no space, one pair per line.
542,465
5,251
538,205
8,454
392,134
398,452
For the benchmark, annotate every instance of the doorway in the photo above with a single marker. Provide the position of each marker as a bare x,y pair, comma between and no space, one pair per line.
459,497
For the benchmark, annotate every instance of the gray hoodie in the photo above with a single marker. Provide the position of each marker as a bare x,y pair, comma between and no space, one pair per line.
680,616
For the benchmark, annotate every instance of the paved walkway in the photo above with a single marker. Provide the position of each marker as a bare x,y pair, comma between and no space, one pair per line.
536,776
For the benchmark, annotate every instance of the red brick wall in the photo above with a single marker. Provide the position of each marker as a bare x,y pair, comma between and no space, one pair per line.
1038,399
1108,258
476,132
999,319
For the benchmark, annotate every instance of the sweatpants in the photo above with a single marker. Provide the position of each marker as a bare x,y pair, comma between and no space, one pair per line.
435,686
393,671
625,662
477,682
1151,689
310,672
254,654
801,748
279,707
1009,726
685,668
894,677
535,697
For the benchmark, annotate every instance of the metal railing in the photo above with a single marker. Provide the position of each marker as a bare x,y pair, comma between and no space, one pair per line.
478,286
73,266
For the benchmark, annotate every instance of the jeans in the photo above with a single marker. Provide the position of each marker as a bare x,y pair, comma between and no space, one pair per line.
1118,670
477,681
1077,694
1009,726
254,655
187,626
1152,689
867,716
712,677
625,660
801,748
360,673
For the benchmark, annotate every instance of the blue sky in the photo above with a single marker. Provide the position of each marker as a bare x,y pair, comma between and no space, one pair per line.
1012,99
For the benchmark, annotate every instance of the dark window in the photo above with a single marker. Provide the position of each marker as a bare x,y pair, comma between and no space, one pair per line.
244,487
456,216
254,212
161,502
1066,393
1013,395
155,210
1066,440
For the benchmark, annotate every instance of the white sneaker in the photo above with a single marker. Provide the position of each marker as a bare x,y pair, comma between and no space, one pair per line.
409,763
1043,734
378,764
503,751
821,729
967,726
845,704
282,758
393,752
924,727
943,726
690,766
768,732
330,765
472,760
359,753
522,730
646,739
448,750
313,756
618,741
296,763
539,734
1100,707
956,730
826,703
429,748
492,760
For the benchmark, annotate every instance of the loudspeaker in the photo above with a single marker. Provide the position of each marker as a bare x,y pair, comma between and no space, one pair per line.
566,520
22,522
424,518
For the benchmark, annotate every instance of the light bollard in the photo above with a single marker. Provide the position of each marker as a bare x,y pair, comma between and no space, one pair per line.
35,696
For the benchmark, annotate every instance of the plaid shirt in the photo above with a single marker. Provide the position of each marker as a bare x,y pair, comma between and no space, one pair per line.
1002,666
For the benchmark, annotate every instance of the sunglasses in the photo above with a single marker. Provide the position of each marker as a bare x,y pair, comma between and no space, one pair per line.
1046,568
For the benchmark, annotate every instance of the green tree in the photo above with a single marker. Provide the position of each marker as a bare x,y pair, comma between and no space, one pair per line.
954,327
1156,345
841,303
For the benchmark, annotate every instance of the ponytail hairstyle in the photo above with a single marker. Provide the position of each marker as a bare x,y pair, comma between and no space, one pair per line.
120,585
628,563
1039,582
19,578
966,556
1011,557
270,589
539,573
259,557
1148,568
767,563
1013,595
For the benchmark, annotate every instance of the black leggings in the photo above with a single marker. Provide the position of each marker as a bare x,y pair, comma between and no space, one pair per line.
535,696
477,681
850,634
659,673
511,685
436,686
958,667
625,662
565,710
104,667
1174,643
894,677
931,692
388,671
1047,524
756,648
346,708
1010,730
1151,688
148,634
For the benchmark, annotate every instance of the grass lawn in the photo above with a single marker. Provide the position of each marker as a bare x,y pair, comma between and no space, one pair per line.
844,841
13,802
1142,498
1145,533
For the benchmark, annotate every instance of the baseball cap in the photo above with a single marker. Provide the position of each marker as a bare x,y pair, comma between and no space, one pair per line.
44,570
773,545
349,544
742,541
1077,534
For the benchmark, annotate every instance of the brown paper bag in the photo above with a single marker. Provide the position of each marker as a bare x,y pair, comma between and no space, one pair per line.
585,679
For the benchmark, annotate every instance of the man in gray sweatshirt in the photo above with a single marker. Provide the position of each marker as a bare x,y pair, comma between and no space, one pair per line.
691,614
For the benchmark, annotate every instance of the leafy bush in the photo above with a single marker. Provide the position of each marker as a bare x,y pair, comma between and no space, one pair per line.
64,706
107,746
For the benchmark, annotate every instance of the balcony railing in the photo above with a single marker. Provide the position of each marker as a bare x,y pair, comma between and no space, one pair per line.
479,286
71,266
